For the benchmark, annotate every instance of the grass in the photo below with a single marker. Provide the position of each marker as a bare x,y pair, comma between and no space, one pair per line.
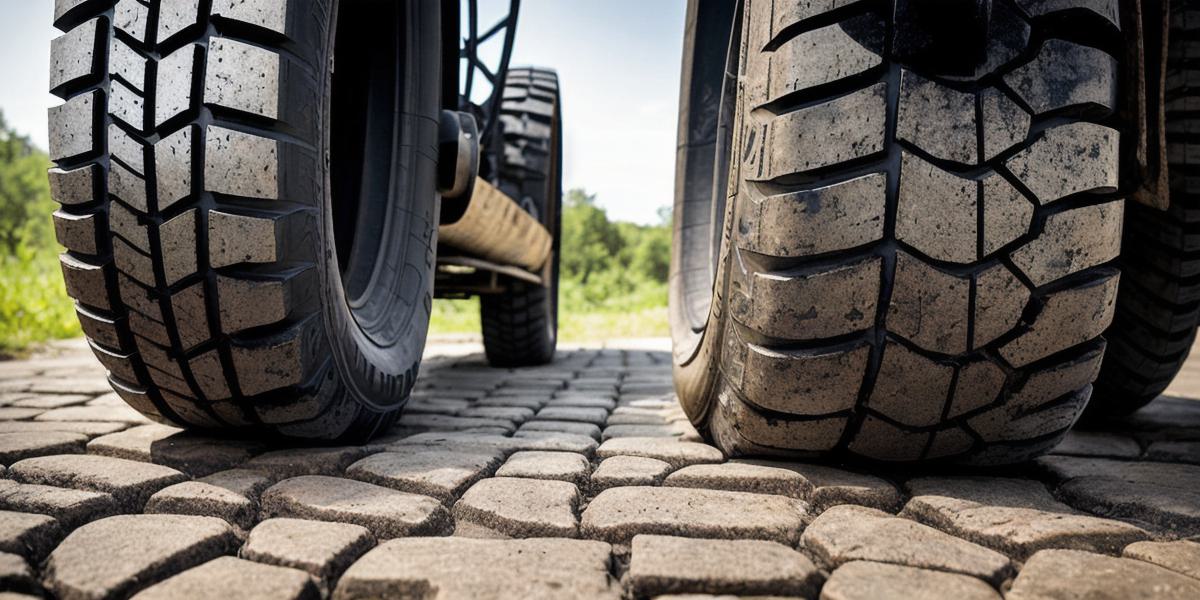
34,306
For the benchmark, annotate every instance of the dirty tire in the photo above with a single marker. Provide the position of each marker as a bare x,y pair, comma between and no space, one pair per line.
193,157
520,325
916,260
1158,301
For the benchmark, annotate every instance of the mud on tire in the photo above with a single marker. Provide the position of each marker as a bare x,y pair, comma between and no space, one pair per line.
201,192
905,260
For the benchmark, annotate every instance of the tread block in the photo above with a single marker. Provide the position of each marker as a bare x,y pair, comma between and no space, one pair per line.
99,328
136,397
1011,423
177,239
907,386
236,239
125,105
176,15
1005,123
127,64
929,307
842,129
979,384
72,124
1072,241
1046,86
1000,299
173,167
1007,214
125,224
824,304
127,186
1109,9
188,410
937,211
797,383
241,164
155,355
252,303
73,54
117,363
149,329
267,364
138,298
242,77
1070,159
949,442
783,14
127,150
268,14
85,281
835,217
210,376
1068,318
133,262
810,435
797,65
879,440
62,7
75,186
191,315
78,233
937,119
174,83
131,17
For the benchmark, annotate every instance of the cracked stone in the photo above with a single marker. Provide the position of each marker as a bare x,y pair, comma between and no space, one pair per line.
229,577
386,512
441,474
203,499
522,507
71,507
322,549
627,471
676,453
673,565
561,466
129,482
758,478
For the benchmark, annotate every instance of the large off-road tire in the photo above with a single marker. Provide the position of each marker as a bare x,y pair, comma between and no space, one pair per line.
250,236
520,325
1158,301
916,258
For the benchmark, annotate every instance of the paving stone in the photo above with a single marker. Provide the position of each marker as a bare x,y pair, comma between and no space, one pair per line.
589,429
203,499
561,466
1164,495
438,473
436,422
742,477
664,565
19,446
322,549
15,574
673,430
833,486
618,514
16,414
1015,516
542,569
118,555
48,401
1183,451
677,454
1072,574
295,462
522,507
1180,556
595,416
84,427
1098,443
233,578
193,454
847,533
386,512
862,580
129,482
588,401
559,442
29,535
514,414
116,413
533,404
240,481
72,508
628,471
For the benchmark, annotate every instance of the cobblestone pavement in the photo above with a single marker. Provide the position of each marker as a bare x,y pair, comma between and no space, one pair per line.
577,480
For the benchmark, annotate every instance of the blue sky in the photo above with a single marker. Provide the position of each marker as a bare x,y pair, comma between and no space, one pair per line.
618,61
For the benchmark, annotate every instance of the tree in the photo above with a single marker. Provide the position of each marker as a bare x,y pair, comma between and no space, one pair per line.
25,204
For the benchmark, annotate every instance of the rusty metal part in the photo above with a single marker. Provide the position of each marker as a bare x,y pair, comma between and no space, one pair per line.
496,229
1146,27
470,262
458,154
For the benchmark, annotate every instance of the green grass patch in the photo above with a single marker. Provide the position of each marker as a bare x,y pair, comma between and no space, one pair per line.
34,306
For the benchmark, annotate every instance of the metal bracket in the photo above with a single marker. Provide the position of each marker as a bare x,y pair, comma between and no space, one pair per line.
458,155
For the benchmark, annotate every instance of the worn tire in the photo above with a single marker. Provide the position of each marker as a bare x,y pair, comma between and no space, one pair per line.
198,180
915,262
1158,301
520,325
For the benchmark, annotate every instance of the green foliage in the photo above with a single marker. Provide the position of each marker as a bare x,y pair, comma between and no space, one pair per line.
613,277
34,306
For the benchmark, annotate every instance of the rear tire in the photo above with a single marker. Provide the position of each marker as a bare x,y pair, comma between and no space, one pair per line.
1158,302
520,325
235,265
916,259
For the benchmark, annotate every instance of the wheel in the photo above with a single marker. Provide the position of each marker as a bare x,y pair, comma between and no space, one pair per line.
250,236
1158,301
520,325
895,238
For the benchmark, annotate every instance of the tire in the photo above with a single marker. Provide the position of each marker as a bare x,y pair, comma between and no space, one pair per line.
520,325
234,265
1158,302
894,254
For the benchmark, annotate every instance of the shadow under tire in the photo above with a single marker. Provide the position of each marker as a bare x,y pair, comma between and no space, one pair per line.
249,236
883,252
520,325
1158,302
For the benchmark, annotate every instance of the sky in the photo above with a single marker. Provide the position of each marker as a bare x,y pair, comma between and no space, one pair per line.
618,63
